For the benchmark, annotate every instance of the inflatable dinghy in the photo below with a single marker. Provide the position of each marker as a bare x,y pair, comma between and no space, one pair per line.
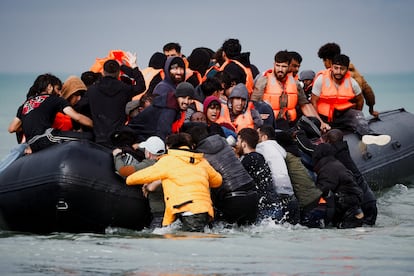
69,187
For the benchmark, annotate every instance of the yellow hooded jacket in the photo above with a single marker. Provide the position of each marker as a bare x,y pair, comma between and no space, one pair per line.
186,180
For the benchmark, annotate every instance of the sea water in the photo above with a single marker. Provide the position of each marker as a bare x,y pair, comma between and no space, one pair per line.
265,249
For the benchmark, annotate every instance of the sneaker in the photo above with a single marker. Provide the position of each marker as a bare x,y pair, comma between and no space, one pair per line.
380,140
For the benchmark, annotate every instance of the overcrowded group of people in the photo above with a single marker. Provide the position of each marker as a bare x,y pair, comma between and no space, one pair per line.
211,138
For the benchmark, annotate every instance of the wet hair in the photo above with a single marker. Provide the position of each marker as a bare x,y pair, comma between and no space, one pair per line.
182,139
341,59
249,136
282,56
172,46
296,56
111,68
269,131
231,47
329,50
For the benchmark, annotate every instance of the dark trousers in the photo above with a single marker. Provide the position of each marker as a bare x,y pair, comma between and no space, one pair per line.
239,207
351,119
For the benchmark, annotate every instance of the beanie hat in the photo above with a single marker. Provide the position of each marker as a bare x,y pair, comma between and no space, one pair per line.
157,60
306,75
208,101
184,89
154,145
72,85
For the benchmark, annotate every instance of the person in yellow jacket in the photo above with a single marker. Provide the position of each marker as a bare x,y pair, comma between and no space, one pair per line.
338,99
186,178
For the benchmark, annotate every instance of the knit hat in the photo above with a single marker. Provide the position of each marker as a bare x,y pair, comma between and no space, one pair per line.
72,85
306,75
131,105
154,145
208,101
184,89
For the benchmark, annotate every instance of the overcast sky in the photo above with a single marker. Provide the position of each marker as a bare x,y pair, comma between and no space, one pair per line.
66,36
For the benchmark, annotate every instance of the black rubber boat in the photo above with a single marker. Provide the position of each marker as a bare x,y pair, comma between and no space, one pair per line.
69,187
72,187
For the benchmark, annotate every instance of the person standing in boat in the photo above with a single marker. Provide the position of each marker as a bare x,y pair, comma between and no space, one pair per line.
108,97
37,114
186,178
338,100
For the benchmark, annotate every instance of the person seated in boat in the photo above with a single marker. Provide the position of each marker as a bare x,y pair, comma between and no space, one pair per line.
275,155
165,115
127,162
327,52
334,178
279,90
240,112
73,90
269,205
369,201
236,200
338,100
108,97
186,178
37,114
212,110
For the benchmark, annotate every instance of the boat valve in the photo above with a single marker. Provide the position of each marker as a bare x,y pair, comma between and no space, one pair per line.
396,145
367,155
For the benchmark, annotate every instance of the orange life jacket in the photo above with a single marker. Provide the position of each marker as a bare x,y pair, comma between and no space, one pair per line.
247,71
333,97
214,67
189,73
175,128
118,55
149,73
62,122
273,91
241,121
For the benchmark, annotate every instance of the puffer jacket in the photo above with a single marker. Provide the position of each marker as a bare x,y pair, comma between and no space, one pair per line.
186,179
223,159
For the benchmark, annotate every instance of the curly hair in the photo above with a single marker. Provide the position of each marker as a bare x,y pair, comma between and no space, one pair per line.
329,50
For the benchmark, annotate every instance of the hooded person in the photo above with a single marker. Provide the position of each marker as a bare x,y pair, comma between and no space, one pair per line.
174,70
165,115
108,97
198,63
240,112
72,90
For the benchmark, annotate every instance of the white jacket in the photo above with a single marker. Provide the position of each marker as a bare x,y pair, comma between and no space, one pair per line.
275,157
